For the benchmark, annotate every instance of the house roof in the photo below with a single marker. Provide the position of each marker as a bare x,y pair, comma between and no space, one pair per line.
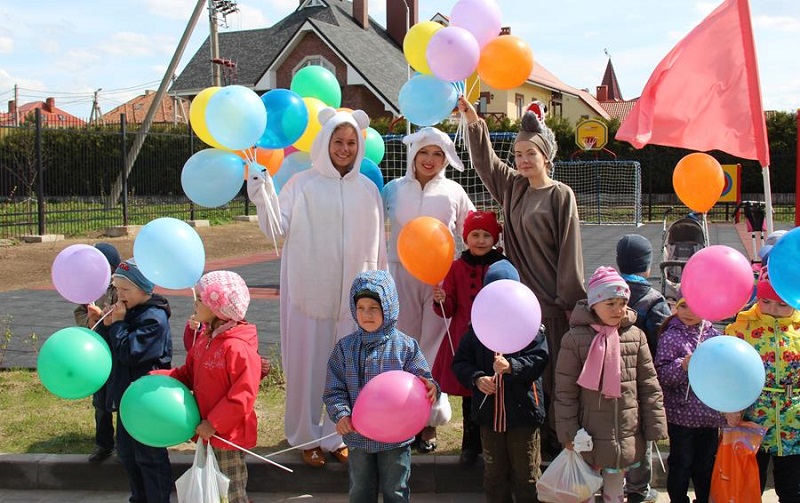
136,109
543,77
51,114
610,81
619,109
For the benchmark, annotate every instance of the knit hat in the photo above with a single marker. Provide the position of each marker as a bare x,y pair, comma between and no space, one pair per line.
536,132
432,136
764,288
130,271
502,269
606,283
634,253
771,240
483,220
111,254
367,294
225,293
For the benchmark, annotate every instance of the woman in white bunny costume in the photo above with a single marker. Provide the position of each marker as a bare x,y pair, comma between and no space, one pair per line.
333,221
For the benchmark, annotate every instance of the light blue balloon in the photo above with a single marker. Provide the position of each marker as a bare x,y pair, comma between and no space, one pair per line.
373,172
726,373
212,177
426,100
170,253
784,275
287,118
236,117
293,163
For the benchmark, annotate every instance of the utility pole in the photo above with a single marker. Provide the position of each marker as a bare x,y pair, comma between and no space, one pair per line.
215,7
96,115
16,105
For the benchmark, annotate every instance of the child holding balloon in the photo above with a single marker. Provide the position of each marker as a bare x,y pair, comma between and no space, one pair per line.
606,383
377,346
507,403
693,426
772,327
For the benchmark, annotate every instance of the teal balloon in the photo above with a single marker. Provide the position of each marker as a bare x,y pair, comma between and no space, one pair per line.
236,117
373,172
159,411
287,118
784,275
426,100
170,253
212,177
374,148
292,164
74,363
318,82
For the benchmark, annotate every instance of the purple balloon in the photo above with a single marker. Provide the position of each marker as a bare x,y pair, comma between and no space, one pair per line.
506,316
453,54
479,17
81,273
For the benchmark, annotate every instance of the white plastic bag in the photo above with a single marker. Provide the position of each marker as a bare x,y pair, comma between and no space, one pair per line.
441,411
203,482
569,479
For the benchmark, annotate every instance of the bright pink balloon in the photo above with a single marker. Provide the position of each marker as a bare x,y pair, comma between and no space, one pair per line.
717,282
81,273
392,407
506,316
453,54
479,17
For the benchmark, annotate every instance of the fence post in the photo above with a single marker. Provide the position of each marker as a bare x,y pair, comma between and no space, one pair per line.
124,154
39,172
191,152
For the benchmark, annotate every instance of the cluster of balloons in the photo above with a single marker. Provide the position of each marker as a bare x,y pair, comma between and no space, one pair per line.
698,180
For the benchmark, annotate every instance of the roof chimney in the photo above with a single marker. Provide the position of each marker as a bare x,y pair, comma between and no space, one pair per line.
505,30
602,93
50,105
398,19
12,107
360,13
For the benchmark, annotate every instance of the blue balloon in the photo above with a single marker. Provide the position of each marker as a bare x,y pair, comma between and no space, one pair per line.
170,253
287,118
293,163
373,172
726,373
784,275
212,177
236,117
426,100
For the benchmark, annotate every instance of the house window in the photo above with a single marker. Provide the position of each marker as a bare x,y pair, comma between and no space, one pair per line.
556,104
519,103
314,60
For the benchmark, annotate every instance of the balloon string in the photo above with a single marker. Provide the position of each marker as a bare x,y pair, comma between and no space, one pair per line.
660,459
447,328
102,318
254,454
273,218
302,445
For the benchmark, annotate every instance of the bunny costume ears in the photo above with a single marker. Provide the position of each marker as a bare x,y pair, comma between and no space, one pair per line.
432,136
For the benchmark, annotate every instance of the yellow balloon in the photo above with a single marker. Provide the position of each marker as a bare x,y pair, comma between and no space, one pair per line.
197,116
313,105
415,44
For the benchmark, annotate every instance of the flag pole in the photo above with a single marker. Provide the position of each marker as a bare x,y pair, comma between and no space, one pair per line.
767,200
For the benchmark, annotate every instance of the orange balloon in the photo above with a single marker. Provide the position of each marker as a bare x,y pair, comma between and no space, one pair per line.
269,158
506,62
426,248
698,180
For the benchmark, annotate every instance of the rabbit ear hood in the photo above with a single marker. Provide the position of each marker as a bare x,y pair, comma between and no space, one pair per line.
331,119
432,136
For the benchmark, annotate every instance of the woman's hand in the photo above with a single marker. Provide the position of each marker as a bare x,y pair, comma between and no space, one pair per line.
467,110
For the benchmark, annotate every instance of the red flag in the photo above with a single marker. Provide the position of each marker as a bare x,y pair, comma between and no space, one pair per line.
705,94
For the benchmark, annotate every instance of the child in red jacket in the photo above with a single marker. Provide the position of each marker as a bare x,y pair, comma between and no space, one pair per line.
223,370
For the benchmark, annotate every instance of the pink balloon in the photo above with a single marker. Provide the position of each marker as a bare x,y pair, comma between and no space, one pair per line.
479,17
717,282
506,316
81,273
392,407
453,54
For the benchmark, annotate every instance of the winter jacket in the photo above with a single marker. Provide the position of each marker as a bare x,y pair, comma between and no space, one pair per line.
651,308
461,286
223,372
362,355
684,409
619,427
524,398
778,406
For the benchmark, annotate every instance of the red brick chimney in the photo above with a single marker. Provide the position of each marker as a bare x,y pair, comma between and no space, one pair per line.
50,105
396,18
360,13
602,93
12,107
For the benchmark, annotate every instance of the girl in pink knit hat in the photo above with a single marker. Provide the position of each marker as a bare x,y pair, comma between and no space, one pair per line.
606,383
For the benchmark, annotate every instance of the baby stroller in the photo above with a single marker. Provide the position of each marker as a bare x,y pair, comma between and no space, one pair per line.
682,239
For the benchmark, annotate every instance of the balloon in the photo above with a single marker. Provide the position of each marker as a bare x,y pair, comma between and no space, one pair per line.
313,105
726,373
453,53
287,118
506,62
236,117
426,100
197,116
392,407
268,158
506,316
374,148
426,248
74,362
293,163
699,181
81,273
416,42
170,253
212,177
784,275
315,81
159,411
717,282
479,17
373,172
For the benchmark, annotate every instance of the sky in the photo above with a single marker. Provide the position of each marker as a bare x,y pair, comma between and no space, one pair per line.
70,49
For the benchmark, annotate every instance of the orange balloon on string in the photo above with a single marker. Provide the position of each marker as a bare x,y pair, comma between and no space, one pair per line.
506,62
426,248
698,180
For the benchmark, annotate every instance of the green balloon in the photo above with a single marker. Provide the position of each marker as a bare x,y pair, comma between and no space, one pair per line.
74,362
374,148
159,411
317,82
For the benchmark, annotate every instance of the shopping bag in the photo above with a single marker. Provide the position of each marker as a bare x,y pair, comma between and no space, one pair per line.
203,482
735,477
568,479
440,411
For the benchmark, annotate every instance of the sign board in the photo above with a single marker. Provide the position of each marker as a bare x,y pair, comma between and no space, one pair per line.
733,183
591,134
